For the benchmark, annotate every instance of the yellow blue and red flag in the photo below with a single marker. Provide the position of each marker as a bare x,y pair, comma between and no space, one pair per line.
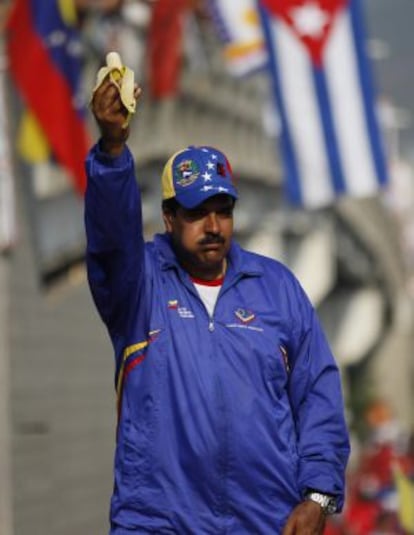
45,59
324,92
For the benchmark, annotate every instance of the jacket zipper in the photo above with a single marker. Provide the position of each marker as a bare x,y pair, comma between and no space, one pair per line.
193,290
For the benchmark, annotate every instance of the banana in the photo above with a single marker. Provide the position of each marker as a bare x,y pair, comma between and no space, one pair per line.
123,77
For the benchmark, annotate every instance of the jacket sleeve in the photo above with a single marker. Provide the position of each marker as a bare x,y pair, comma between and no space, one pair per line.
317,404
115,243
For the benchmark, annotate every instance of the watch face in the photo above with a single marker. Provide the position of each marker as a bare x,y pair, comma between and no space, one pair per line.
328,503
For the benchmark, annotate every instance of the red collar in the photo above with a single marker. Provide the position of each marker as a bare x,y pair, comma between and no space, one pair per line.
202,282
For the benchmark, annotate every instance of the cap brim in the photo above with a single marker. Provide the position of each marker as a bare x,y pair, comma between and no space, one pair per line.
190,199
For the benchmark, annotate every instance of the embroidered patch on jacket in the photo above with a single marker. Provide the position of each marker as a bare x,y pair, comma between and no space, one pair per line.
244,315
186,173
183,312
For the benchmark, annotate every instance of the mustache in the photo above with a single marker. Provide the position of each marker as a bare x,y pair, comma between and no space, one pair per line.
212,239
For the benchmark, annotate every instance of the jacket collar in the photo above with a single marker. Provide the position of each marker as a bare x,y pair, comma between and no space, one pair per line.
241,262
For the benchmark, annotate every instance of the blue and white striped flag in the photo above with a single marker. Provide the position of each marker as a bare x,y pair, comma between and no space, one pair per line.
322,83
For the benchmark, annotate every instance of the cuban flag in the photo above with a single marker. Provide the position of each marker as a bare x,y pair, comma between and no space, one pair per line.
45,58
330,139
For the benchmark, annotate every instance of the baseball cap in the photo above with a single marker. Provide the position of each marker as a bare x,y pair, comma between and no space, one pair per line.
194,174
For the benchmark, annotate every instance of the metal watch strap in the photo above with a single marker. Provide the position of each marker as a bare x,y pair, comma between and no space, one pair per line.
327,502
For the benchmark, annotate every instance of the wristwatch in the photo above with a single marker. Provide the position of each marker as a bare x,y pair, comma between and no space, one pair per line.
327,502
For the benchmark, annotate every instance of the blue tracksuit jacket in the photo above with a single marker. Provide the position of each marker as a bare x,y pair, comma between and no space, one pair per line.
224,421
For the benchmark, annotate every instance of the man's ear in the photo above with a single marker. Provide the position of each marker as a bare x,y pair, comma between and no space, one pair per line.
168,219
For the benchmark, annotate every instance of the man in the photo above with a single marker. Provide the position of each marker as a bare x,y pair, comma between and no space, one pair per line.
229,399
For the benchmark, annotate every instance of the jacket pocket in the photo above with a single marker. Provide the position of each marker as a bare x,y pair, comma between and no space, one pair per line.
135,441
277,374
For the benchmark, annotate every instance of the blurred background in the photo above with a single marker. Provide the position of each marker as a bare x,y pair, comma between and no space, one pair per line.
354,255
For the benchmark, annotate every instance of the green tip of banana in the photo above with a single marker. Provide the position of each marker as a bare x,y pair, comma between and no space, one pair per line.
124,79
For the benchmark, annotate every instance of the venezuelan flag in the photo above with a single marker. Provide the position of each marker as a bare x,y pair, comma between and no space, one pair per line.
45,59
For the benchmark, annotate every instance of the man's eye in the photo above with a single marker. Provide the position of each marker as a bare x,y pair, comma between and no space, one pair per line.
195,214
226,212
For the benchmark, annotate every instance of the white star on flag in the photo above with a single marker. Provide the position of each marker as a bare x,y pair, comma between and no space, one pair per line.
309,19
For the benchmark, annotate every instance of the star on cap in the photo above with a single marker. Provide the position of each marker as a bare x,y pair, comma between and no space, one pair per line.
210,165
206,176
309,19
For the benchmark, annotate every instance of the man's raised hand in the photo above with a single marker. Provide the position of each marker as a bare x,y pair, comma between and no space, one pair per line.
114,102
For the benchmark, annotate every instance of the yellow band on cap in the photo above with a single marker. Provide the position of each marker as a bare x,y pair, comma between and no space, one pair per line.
167,185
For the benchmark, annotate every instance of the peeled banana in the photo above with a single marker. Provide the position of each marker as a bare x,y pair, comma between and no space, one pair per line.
123,77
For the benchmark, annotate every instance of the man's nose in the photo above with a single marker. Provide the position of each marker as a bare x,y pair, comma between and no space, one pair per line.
212,223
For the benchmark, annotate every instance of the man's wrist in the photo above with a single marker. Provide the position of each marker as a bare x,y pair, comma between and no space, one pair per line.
111,147
326,501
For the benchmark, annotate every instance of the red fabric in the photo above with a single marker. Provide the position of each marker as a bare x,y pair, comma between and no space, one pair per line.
165,43
332,529
47,94
203,282
376,463
361,516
